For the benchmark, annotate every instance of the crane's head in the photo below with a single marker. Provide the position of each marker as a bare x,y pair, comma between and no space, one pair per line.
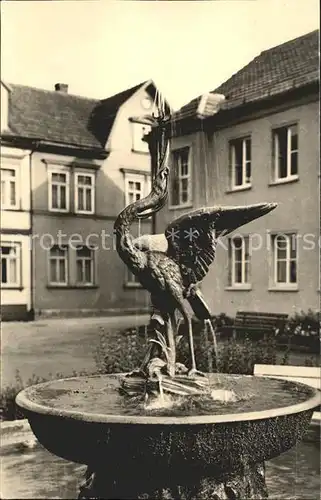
158,195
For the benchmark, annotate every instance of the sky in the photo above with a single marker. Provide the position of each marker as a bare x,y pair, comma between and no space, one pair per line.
101,47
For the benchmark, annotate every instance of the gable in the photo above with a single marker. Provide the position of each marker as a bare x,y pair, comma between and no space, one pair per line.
108,112
122,134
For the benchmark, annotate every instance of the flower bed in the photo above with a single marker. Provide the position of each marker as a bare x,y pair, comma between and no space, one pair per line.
302,331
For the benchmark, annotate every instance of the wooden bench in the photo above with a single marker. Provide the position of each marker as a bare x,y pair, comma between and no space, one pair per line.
305,374
258,323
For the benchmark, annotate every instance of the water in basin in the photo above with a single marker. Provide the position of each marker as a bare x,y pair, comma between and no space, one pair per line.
100,395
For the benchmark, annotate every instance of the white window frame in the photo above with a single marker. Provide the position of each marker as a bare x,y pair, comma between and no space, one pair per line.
66,261
134,178
92,260
244,261
92,188
289,176
131,280
284,285
245,163
181,176
17,258
15,168
58,170
138,145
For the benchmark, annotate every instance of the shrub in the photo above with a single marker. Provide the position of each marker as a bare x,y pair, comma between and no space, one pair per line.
8,407
306,324
123,351
120,351
233,356
302,330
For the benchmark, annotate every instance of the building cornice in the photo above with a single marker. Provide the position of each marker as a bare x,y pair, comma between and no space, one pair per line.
265,107
76,164
247,111
127,170
53,147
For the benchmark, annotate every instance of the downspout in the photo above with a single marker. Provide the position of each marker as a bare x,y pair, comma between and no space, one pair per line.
32,253
152,144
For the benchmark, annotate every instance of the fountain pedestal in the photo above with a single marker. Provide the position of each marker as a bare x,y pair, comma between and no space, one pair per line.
173,484
131,481
172,453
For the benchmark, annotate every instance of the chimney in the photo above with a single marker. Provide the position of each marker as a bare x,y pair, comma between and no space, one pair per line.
61,87
209,104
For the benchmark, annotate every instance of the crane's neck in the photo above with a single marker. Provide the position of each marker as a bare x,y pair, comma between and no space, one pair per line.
125,247
152,203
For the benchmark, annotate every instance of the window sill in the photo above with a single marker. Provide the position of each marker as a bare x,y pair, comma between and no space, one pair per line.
80,212
133,285
72,287
286,180
240,288
69,213
139,152
180,207
11,209
237,189
8,287
59,210
283,288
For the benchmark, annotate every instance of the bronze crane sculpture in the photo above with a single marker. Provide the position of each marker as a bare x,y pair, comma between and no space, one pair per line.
170,266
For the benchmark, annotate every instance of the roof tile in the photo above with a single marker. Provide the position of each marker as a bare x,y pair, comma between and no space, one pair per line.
289,65
61,117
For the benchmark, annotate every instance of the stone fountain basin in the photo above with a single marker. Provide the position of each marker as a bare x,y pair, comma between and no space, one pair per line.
85,420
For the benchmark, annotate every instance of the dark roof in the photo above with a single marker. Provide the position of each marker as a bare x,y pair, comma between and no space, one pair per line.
63,118
290,65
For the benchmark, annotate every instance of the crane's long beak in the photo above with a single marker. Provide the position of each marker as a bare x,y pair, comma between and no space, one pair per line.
232,218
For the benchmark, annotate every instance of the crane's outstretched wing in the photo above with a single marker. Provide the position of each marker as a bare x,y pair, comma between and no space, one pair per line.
191,242
192,237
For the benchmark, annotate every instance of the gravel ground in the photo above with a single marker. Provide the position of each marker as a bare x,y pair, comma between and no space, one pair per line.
55,345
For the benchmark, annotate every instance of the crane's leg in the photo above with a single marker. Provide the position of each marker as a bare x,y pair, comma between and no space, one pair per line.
202,312
157,322
171,344
208,351
209,323
188,321
191,343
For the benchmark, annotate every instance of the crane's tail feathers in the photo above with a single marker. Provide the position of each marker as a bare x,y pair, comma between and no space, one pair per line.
199,305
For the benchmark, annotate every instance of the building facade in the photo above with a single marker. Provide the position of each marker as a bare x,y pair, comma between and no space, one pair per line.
16,286
259,144
76,163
